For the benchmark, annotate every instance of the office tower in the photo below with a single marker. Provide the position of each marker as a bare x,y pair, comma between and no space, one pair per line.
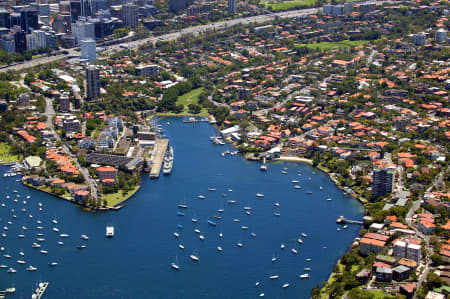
88,50
21,41
4,18
441,35
130,15
177,5
83,30
92,83
232,6
29,19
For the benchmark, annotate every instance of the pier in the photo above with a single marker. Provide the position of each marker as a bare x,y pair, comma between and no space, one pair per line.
343,220
158,157
40,290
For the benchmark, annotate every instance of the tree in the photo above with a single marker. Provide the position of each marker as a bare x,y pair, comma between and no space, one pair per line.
195,108
360,294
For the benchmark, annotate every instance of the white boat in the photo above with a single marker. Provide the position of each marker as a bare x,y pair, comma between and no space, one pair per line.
31,268
297,187
329,199
197,231
40,204
22,262
2,248
274,277
194,258
12,270
294,181
35,245
308,259
43,251
244,227
175,266
282,246
230,190
181,246
304,235
40,239
3,205
201,196
300,241
55,229
274,259
304,276
247,208
220,235
21,236
294,251
212,189
236,220
231,201
276,214
257,283
253,234
277,204
24,227
346,226
55,221
338,229
284,172
286,285
219,248
84,237
6,256
60,243
3,266
220,210
201,237
40,227
21,253
53,264
248,212
176,234
109,231
4,235
259,195
81,246
239,244
194,220
181,206
28,196
307,269
261,295
64,235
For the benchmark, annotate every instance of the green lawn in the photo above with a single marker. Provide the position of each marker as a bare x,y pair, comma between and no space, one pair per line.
5,155
116,198
186,99
381,295
334,45
286,5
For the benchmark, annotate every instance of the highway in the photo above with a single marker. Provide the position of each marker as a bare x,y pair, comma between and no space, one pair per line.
218,26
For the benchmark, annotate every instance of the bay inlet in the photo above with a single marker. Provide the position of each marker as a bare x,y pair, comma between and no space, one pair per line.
136,262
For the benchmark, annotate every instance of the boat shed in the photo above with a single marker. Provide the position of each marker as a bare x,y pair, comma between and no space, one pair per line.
227,132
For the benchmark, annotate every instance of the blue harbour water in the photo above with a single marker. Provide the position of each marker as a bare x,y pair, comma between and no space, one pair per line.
135,263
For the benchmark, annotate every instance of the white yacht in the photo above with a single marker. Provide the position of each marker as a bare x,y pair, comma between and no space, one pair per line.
55,229
306,275
308,259
201,196
22,262
304,235
31,268
64,235
12,270
43,251
282,246
60,243
194,220
219,248
181,246
300,241
197,231
84,237
35,245
239,244
294,251
176,234
274,277
286,285
175,266
109,231
201,237
194,258
259,195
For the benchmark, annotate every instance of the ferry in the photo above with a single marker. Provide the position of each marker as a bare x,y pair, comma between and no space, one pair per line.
109,231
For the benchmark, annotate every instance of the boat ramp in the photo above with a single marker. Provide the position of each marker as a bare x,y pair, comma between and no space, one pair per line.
158,157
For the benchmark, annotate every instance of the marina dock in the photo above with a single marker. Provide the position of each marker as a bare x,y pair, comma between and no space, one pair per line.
158,157
343,220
